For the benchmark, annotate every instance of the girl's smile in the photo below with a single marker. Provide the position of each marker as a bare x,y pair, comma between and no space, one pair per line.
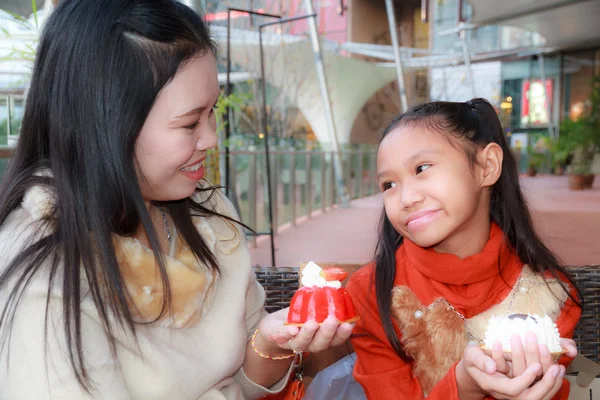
421,219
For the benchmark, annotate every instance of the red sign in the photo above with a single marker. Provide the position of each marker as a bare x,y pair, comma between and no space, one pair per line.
534,104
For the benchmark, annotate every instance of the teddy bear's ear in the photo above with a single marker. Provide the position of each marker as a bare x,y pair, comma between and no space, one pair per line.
405,305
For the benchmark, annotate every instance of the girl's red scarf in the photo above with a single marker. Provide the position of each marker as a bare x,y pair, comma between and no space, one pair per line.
471,285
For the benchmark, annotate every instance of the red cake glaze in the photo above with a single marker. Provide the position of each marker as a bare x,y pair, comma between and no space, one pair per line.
318,303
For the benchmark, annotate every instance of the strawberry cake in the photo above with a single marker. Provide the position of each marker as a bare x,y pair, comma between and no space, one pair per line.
321,296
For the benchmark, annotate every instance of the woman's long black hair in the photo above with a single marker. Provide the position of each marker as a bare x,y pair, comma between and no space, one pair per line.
475,124
99,68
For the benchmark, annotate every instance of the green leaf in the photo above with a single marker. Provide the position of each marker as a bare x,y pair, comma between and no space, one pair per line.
35,18
15,16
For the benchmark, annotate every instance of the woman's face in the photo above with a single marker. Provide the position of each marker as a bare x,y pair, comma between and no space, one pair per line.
171,148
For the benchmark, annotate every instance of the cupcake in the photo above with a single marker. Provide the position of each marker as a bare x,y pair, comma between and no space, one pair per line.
321,296
502,328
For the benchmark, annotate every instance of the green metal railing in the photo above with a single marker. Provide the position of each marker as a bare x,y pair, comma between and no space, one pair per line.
302,183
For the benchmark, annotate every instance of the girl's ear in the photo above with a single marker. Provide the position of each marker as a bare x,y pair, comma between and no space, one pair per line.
490,160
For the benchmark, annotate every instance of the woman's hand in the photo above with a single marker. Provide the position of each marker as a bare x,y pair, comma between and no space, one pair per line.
274,343
482,372
311,337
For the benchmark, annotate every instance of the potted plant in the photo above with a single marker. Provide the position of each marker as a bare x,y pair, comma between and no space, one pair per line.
535,161
559,156
581,139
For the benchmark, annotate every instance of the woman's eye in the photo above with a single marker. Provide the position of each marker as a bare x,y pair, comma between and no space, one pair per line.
388,185
212,111
191,127
422,168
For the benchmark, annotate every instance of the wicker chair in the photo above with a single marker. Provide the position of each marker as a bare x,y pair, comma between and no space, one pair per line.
587,333
280,283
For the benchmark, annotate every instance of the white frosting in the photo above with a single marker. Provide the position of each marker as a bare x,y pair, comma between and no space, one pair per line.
502,328
311,276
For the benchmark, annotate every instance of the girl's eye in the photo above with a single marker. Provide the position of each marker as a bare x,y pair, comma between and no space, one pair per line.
191,127
422,168
212,111
388,185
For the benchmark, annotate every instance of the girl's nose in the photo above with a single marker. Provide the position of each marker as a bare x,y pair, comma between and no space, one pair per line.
410,195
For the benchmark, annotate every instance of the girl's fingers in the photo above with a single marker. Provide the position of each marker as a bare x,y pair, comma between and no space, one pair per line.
476,358
502,387
532,354
549,385
570,346
519,362
557,384
498,357
545,358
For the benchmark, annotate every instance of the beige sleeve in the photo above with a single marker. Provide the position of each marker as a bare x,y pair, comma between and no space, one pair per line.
255,312
33,367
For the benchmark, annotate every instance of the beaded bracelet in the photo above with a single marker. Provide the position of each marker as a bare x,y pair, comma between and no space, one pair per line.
267,357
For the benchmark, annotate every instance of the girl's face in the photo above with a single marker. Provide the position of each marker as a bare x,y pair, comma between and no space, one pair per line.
432,195
171,148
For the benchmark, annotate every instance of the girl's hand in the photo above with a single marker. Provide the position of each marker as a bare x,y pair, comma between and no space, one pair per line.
570,346
515,363
483,371
311,337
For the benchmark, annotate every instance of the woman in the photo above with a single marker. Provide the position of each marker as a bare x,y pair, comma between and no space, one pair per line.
122,276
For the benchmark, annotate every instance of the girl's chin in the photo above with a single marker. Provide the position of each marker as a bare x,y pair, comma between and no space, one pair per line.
424,240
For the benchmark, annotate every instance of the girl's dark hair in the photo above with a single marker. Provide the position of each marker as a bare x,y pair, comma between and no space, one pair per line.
99,68
475,124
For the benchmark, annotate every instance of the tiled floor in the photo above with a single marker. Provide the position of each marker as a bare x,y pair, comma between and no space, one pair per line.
568,221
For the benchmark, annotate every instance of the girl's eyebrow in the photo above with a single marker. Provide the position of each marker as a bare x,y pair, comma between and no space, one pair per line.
382,173
412,158
421,153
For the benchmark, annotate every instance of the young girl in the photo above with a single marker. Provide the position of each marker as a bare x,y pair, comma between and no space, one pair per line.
456,245
123,275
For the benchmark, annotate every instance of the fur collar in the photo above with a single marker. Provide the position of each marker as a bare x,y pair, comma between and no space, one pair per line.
192,283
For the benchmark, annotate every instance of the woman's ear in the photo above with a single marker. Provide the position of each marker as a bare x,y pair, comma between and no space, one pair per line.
490,160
